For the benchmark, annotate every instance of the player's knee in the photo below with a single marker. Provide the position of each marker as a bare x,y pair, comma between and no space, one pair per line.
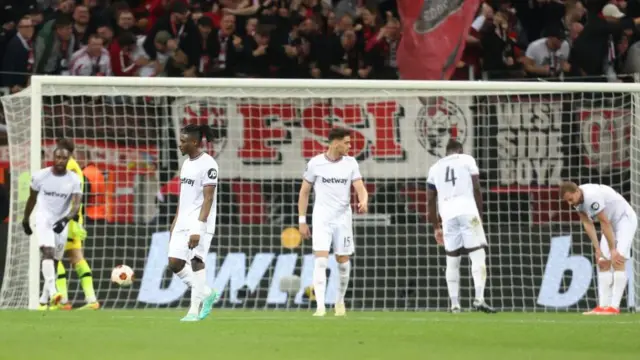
604,265
197,264
48,253
619,267
478,258
453,267
342,259
176,265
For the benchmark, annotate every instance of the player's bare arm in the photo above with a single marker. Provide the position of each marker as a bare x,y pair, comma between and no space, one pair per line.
303,203
477,192
208,193
76,201
31,204
590,229
434,219
175,218
363,196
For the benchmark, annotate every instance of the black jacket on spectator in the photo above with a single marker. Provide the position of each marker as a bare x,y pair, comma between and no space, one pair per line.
185,34
319,55
233,57
261,65
289,67
15,64
496,49
202,52
591,48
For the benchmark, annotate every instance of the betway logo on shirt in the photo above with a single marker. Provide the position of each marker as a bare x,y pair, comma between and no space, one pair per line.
234,273
55,194
189,182
334,181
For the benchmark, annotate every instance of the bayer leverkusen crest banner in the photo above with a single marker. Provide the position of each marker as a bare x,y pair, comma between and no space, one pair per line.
390,138
433,37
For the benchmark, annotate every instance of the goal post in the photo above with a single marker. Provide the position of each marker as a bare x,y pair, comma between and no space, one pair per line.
526,137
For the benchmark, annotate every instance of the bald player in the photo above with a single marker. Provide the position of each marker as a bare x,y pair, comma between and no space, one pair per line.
618,224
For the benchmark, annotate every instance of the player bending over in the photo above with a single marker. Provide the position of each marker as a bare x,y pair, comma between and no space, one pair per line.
618,223
73,247
454,182
58,193
331,174
194,225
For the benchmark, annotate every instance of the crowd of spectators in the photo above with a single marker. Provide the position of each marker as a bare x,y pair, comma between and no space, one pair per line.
336,39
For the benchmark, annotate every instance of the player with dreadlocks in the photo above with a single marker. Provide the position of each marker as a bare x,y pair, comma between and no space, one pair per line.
194,225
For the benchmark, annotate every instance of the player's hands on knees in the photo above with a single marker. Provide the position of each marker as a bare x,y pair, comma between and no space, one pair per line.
439,237
616,257
194,240
363,206
26,227
304,230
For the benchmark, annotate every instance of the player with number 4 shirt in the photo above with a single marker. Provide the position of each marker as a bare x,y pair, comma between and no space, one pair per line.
454,183
331,175
618,223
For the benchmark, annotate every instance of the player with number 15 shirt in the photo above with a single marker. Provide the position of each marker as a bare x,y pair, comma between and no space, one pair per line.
331,176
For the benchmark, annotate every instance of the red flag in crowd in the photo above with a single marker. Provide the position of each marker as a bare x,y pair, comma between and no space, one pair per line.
434,36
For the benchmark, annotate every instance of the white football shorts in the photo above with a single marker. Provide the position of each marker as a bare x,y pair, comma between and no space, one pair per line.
48,238
179,246
463,231
624,232
324,235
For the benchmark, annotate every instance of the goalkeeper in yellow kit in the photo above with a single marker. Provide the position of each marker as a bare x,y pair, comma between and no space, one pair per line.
73,248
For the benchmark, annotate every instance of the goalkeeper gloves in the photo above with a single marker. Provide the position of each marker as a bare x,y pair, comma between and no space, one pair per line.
59,225
27,228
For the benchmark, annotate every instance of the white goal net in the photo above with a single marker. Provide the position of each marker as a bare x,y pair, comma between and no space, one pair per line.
526,137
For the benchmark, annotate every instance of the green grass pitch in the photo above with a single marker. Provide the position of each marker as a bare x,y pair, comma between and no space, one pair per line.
266,335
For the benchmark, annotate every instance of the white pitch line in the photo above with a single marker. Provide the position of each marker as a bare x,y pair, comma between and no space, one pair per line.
495,319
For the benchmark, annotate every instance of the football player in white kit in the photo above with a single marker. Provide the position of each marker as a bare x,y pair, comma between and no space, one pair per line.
618,223
454,183
194,225
57,193
331,175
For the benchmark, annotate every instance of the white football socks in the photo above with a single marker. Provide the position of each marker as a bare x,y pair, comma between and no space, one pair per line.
479,272
605,288
320,280
619,284
186,275
49,275
453,279
199,291
344,269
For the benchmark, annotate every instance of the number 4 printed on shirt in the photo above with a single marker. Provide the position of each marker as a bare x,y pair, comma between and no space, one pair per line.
450,176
